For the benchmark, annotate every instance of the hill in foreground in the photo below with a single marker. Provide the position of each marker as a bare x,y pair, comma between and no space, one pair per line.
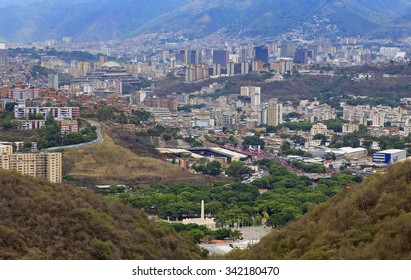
111,163
368,221
39,220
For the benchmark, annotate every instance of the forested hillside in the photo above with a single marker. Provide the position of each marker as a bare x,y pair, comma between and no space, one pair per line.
368,221
39,220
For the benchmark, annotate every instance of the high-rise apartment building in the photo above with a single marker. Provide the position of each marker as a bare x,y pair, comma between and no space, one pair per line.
244,68
181,57
253,92
301,56
389,52
195,72
220,57
53,81
243,55
169,102
67,40
313,51
38,165
287,50
283,65
194,57
274,112
261,53
216,69
230,69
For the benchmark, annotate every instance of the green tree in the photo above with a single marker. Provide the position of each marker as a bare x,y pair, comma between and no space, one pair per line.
321,137
213,207
9,107
214,168
105,114
236,234
200,168
8,125
285,147
253,141
238,170
122,118
38,116
73,138
50,120
166,137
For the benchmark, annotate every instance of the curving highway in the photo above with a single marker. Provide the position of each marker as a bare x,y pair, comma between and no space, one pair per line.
99,140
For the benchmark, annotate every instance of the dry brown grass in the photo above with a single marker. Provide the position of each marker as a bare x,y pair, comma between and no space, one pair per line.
111,163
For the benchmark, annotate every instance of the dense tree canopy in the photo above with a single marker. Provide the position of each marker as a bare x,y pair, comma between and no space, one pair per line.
44,221
367,221
274,200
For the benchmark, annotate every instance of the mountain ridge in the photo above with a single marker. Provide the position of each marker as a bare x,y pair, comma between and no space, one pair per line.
93,20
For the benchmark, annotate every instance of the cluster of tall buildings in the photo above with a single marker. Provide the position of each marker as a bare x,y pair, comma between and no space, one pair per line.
313,111
377,115
194,72
237,111
189,57
220,62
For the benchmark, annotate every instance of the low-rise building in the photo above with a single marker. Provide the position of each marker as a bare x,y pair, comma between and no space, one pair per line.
389,156
68,126
319,128
350,127
60,113
350,153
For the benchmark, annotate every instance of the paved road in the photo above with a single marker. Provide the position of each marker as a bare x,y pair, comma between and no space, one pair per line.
208,143
99,140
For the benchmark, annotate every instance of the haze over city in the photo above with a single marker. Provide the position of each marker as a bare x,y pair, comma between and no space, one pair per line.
205,130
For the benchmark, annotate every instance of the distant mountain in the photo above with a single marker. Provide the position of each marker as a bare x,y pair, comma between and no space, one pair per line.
39,220
28,20
368,221
85,20
275,17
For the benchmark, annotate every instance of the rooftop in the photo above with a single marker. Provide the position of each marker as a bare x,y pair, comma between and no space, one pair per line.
391,151
111,64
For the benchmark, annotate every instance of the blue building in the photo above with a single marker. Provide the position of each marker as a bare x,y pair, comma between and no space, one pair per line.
389,156
220,57
261,53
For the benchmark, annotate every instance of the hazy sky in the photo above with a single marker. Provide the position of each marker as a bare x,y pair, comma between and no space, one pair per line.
14,2
5,3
